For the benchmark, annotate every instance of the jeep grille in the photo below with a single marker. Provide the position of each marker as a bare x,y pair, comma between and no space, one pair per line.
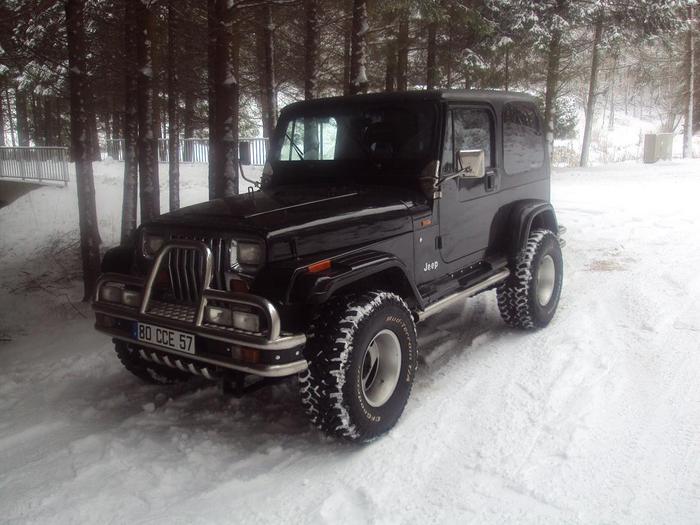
186,268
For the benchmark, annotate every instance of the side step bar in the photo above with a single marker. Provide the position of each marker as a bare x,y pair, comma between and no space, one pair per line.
464,294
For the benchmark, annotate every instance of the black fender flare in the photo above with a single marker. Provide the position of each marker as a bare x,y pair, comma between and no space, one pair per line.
316,288
119,259
526,215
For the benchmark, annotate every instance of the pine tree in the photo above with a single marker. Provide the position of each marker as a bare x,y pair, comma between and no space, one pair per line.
690,86
173,103
79,93
224,136
131,129
266,48
358,60
149,187
311,46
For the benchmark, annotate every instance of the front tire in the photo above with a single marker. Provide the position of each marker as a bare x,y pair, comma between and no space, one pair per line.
529,297
362,355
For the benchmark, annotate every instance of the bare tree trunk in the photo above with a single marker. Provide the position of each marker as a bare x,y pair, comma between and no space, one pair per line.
211,91
117,118
2,121
507,67
448,68
173,102
148,144
613,80
131,126
9,117
92,127
390,75
358,60
36,124
592,92
347,53
21,116
267,72
188,123
52,117
225,136
402,43
313,30
79,93
431,62
61,130
690,79
551,87
107,127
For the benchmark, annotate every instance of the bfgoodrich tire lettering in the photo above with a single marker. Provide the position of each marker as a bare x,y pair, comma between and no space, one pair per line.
332,387
520,298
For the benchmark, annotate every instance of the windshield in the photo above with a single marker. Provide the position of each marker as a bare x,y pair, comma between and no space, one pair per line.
352,141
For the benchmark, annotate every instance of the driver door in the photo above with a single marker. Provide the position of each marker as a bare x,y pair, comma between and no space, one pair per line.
468,206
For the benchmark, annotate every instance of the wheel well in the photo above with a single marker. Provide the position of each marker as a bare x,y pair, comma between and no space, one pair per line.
390,280
544,220
118,259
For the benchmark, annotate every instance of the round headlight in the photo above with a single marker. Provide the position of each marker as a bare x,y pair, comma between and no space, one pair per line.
249,253
151,244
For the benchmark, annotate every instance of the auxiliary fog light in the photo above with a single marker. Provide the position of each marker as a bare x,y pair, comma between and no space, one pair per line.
246,321
131,298
220,316
111,293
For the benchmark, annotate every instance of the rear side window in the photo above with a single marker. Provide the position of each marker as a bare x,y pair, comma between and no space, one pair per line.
523,140
467,128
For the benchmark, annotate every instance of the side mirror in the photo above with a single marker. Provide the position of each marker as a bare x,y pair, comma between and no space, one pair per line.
471,163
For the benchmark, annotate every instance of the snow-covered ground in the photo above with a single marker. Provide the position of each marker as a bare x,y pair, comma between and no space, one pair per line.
624,142
595,419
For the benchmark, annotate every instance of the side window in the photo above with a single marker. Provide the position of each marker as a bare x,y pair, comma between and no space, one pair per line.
293,142
309,139
523,140
448,155
470,129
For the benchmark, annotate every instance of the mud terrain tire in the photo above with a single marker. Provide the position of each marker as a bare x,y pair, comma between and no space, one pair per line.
362,355
529,297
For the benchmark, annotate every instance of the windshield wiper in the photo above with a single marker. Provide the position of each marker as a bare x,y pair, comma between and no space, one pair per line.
296,148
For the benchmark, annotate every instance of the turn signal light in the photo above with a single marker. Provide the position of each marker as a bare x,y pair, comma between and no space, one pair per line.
250,355
320,266
238,285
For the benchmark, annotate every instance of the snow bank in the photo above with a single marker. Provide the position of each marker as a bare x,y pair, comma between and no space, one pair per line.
625,142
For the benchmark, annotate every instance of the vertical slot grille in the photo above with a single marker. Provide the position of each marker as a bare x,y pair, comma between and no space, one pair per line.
186,269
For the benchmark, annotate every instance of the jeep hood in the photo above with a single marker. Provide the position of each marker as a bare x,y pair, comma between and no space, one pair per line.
316,218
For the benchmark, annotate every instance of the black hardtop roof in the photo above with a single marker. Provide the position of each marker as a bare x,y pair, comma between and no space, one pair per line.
449,95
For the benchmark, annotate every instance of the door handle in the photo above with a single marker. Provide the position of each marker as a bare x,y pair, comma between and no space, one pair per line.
490,182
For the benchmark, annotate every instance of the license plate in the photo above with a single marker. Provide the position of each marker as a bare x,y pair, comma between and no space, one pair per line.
165,337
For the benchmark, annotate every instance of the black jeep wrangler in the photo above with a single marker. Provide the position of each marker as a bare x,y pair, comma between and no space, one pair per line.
375,212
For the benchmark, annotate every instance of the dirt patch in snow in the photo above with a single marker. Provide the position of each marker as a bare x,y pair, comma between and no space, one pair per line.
605,265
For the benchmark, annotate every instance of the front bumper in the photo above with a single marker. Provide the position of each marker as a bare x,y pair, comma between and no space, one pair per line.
271,353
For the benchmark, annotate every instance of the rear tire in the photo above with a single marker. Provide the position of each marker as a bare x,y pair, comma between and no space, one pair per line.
147,371
362,355
529,297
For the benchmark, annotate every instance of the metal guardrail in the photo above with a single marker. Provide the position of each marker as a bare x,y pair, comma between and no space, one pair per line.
40,163
252,151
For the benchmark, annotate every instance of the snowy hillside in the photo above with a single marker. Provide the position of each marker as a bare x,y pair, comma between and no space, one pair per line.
593,420
624,142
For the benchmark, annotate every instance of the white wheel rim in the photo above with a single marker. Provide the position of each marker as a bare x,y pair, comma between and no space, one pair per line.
381,366
546,275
